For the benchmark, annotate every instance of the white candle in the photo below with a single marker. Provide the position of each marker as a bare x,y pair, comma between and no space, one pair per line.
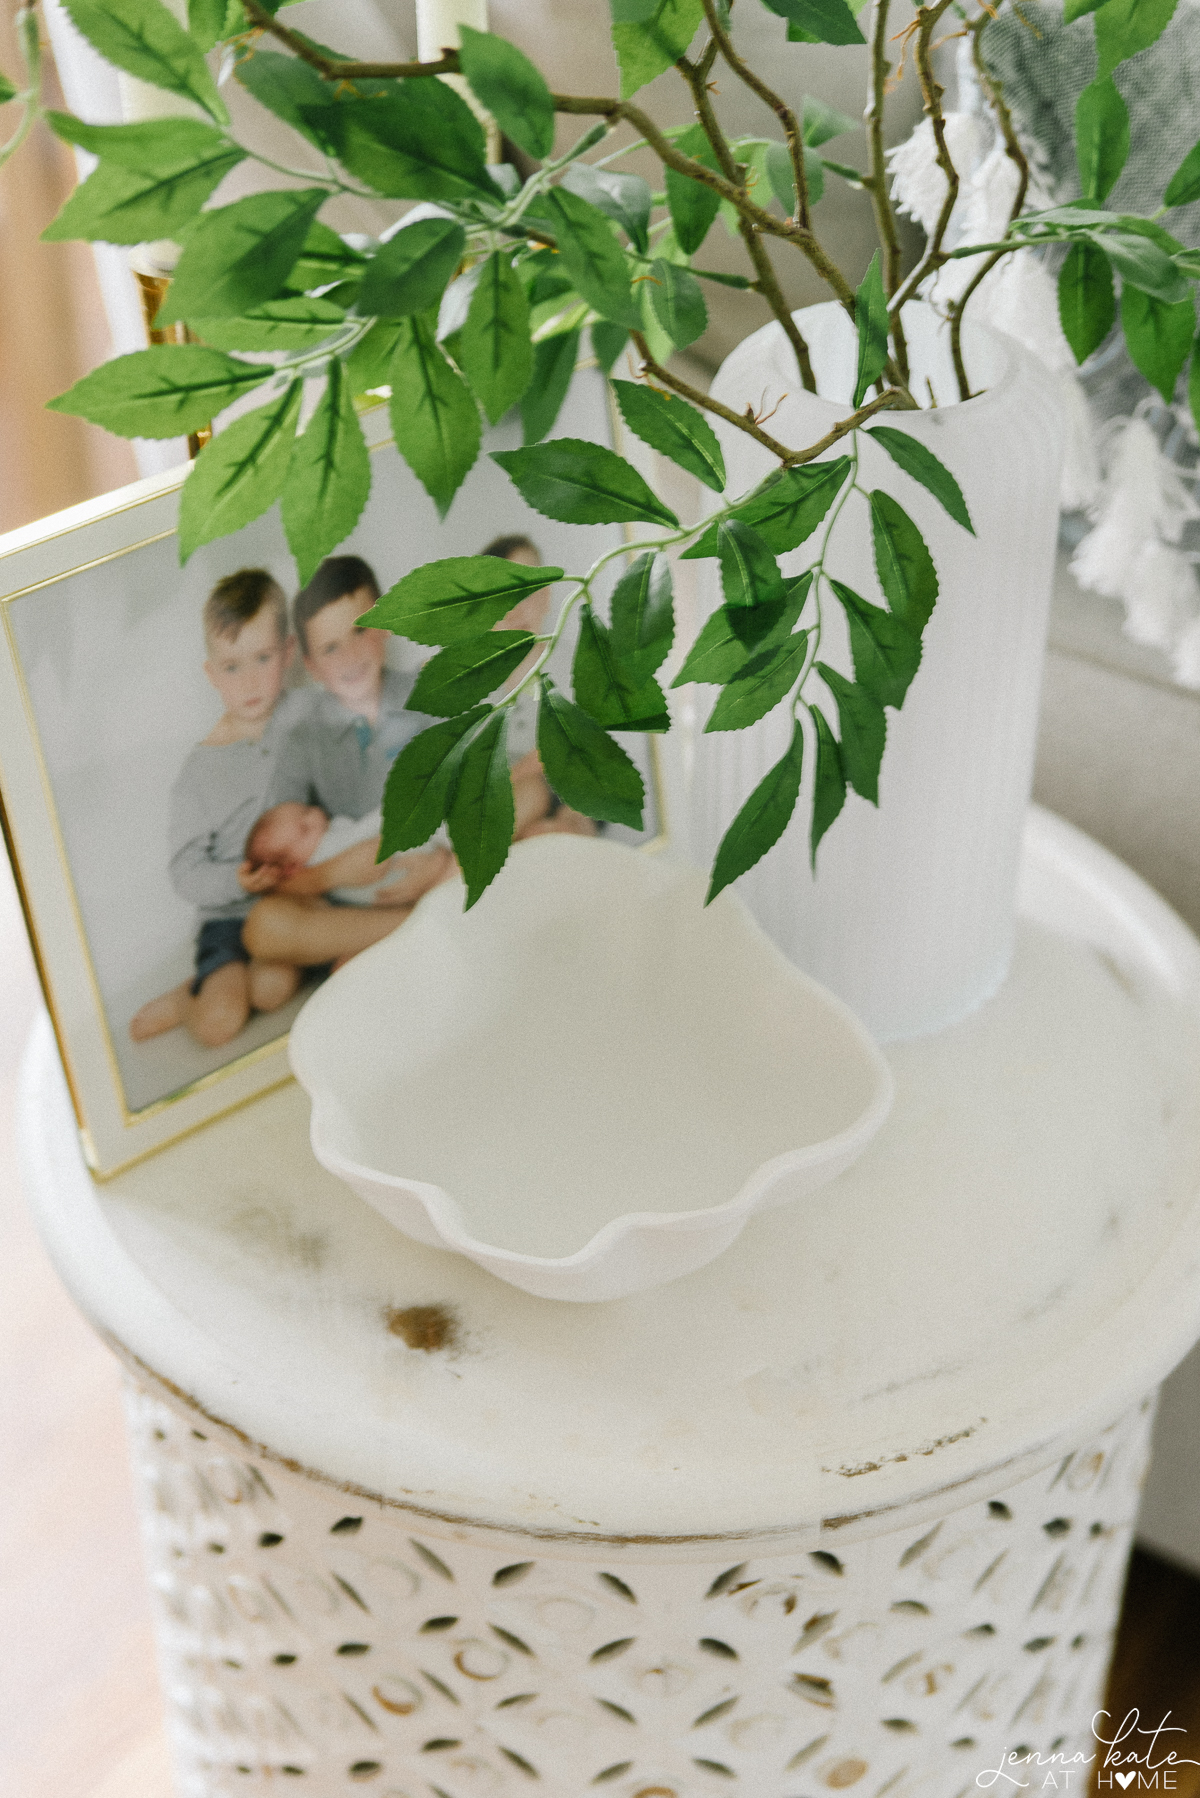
438,22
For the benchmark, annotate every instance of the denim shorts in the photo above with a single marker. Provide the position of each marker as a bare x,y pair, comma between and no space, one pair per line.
219,941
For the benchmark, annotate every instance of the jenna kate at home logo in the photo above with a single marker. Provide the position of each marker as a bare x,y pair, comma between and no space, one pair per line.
1134,1758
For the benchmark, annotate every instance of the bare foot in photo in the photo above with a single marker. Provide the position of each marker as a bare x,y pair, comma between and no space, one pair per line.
161,1014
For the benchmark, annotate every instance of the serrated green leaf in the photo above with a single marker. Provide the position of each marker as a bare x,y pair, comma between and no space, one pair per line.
507,84
240,255
240,474
579,482
693,206
323,259
852,175
749,572
286,86
1142,263
592,257
8,90
554,363
435,420
910,454
766,680
648,39
457,598
623,198
1184,185
821,122
418,140
862,723
1158,337
607,343
886,653
762,820
678,303
787,507
726,643
1123,27
162,392
1077,9
117,204
144,39
1087,306
418,785
829,784
675,429
583,765
298,323
643,616
208,22
818,21
903,564
328,479
370,361
411,271
1101,138
468,671
871,320
150,144
482,816
607,689
494,351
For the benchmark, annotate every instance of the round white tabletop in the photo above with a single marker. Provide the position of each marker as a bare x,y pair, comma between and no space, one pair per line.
1012,1263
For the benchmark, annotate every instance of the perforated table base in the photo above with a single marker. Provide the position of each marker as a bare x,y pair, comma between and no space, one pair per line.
319,1643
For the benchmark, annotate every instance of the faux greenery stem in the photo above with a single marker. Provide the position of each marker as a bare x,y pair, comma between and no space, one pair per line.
793,134
932,91
876,182
30,96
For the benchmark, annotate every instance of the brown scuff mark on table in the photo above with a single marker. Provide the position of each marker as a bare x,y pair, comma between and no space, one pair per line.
425,1327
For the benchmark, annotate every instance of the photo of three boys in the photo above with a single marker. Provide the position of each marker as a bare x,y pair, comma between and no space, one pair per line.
275,816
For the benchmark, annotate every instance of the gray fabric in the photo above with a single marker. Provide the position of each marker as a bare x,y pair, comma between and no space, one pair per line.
325,760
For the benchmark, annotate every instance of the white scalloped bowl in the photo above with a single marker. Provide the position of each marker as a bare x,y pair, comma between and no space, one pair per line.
589,1082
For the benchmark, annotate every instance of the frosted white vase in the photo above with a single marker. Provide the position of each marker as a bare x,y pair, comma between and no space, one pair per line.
911,915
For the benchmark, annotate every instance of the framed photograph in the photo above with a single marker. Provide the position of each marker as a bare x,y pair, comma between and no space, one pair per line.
150,715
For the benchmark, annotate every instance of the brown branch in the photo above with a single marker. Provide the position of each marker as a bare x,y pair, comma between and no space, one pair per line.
337,68
746,421
783,112
995,96
935,256
876,183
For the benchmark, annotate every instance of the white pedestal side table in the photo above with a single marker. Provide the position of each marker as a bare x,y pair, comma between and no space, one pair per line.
850,1507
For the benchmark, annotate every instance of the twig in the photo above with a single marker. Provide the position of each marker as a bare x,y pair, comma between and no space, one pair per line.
337,68
927,18
722,41
995,96
876,182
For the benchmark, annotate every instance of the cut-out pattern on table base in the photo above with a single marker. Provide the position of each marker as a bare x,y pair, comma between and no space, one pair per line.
317,1644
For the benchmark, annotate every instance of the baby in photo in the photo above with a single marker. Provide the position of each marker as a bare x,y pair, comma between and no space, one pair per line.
310,853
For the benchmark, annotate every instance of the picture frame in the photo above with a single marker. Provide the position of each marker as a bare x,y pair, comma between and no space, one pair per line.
103,695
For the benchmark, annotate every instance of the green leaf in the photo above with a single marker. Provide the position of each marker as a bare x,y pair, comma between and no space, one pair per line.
328,479
592,257
643,618
554,362
582,483
818,21
675,429
457,598
821,122
1077,9
434,418
117,204
767,679
1194,383
649,38
607,343
862,722
459,677
1158,336
237,476
886,653
762,820
749,572
161,144
871,318
142,37
507,84
369,361
1087,305
583,765
418,140
908,453
482,815
8,89
724,645
1184,185
853,176
902,562
787,507
411,271
1101,138
163,392
1142,263
418,785
606,689
1123,27
829,786
323,259
287,87
299,323
211,21
693,206
240,255
494,351
678,303
623,198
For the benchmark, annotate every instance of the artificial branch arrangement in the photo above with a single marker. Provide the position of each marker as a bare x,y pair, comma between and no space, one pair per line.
476,304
